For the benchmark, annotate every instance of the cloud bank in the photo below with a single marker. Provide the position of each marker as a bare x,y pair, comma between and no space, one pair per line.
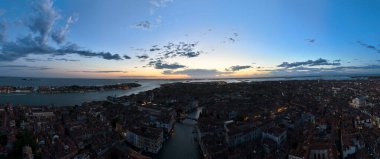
41,26
238,68
318,62
161,65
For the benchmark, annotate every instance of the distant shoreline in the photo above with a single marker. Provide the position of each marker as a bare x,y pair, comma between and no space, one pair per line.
65,89
216,78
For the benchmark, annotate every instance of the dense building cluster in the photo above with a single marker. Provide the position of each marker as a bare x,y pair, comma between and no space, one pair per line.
292,119
324,119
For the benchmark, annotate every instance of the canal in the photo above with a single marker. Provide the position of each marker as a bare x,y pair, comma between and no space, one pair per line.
182,144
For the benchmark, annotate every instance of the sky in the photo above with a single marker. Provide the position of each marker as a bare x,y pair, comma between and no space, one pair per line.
188,38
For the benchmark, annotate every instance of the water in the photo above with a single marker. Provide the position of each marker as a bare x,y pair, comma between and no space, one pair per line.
182,144
71,99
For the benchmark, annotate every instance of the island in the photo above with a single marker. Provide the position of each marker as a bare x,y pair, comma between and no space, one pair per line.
67,89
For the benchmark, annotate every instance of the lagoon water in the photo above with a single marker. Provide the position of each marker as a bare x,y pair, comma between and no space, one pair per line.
69,99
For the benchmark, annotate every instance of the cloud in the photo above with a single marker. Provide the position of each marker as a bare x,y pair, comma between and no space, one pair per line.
180,49
161,65
237,68
368,46
28,45
158,19
311,41
157,4
59,35
71,48
197,72
110,71
42,20
148,24
172,50
337,61
143,25
154,48
318,62
2,12
66,60
143,57
126,57
24,67
233,38
3,28
35,60
36,42
32,60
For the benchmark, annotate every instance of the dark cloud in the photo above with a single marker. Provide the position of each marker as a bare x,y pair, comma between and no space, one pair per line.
161,65
36,42
59,35
71,48
32,60
143,25
28,45
154,48
66,60
310,41
232,38
197,72
180,49
368,46
172,50
143,57
318,62
237,68
126,57
24,67
148,24
36,60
